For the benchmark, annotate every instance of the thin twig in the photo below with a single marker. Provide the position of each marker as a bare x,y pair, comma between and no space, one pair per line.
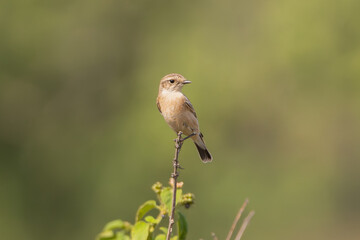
174,175
237,219
244,225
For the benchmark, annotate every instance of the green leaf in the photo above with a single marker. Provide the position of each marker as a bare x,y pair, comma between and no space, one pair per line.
164,229
160,237
127,226
122,236
151,219
114,230
106,235
174,238
166,198
116,224
143,209
140,231
182,226
178,196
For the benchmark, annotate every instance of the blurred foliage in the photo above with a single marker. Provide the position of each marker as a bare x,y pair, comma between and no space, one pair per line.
275,86
145,225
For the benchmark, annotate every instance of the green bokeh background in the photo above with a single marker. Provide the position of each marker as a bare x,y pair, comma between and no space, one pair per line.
276,85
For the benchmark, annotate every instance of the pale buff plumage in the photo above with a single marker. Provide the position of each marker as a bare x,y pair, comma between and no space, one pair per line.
178,112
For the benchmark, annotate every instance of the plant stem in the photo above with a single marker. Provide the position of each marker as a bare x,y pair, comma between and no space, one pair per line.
178,144
174,175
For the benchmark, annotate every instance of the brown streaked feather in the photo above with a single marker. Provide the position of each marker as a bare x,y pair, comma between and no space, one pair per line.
189,106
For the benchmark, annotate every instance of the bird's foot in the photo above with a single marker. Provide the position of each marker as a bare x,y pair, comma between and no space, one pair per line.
183,139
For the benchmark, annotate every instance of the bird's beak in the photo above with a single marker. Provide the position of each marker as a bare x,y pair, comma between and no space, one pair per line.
186,82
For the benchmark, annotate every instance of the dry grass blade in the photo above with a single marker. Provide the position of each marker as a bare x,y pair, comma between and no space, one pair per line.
237,219
244,225
214,236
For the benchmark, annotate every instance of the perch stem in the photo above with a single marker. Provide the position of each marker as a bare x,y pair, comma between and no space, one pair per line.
178,143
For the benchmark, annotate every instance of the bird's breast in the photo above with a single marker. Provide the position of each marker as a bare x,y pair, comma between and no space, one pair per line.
175,113
172,105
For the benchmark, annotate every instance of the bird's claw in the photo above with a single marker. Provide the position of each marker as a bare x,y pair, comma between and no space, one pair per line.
183,139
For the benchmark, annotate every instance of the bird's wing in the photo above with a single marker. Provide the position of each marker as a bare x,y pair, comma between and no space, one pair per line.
158,105
189,106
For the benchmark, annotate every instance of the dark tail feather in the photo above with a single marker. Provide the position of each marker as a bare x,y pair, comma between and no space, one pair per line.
204,154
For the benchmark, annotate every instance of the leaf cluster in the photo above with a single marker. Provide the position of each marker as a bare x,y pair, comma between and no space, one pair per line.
147,226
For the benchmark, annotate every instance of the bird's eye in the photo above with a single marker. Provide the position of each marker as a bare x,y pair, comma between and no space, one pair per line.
172,81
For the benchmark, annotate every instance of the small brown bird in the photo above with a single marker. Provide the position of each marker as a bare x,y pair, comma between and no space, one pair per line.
178,112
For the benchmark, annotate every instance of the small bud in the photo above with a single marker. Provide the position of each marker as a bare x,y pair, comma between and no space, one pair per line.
157,187
178,184
187,200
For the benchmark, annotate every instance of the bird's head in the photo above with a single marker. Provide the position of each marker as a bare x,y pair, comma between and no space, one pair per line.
173,82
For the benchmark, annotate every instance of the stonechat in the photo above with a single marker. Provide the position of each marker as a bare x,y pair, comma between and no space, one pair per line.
179,113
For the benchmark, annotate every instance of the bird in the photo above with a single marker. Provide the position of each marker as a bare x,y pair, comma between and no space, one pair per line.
179,113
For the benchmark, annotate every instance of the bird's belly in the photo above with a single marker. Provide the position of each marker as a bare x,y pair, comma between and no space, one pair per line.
181,121
172,119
